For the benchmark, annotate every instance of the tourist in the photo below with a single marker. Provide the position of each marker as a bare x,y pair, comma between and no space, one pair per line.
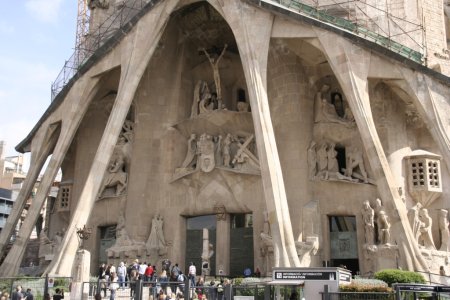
163,279
121,272
141,270
192,273
148,273
29,295
113,287
59,294
17,294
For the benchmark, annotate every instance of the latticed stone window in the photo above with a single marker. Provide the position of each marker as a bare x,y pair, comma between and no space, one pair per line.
64,197
424,176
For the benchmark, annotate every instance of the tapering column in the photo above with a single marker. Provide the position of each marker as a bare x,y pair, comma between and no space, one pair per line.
252,29
351,64
135,60
41,152
69,128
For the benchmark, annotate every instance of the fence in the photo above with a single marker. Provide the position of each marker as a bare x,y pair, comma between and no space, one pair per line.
38,285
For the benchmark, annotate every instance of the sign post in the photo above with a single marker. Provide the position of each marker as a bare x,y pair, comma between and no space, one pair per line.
313,279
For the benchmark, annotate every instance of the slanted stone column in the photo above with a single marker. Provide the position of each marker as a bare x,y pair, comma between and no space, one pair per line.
252,29
70,125
39,156
351,64
134,63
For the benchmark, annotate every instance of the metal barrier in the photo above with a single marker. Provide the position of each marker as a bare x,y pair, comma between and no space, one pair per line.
39,286
357,296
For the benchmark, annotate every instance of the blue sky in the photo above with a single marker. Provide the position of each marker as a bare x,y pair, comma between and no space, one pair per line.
36,37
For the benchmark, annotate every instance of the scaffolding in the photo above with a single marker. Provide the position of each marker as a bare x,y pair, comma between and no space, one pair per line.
90,38
371,20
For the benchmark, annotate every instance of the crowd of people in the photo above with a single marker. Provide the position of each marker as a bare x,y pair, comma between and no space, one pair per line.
20,294
167,283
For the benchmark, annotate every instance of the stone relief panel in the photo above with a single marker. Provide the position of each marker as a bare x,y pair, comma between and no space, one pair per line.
329,162
116,178
334,110
236,153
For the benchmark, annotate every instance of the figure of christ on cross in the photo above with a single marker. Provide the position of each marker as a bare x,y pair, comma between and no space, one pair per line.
215,66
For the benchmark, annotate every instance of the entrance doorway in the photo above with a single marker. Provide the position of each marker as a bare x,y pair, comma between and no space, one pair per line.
241,243
107,240
343,243
194,241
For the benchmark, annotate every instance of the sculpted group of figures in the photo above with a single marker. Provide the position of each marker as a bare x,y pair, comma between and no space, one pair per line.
204,100
206,152
421,226
334,111
376,219
154,247
419,219
323,163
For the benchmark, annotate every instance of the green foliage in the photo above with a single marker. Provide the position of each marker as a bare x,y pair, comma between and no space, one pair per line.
248,287
391,276
362,285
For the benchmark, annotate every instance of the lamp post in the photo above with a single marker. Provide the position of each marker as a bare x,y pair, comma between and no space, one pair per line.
83,235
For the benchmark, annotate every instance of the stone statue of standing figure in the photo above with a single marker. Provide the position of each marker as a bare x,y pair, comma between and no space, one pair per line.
426,237
369,225
444,230
215,66
384,228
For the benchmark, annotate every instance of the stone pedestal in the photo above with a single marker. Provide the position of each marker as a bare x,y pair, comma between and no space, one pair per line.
80,274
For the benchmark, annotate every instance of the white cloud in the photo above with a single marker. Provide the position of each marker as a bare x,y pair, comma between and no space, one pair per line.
44,10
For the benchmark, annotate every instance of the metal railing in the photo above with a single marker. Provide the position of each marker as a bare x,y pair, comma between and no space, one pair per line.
39,286
97,37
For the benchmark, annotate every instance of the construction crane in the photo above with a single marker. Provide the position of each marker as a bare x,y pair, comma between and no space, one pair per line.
82,32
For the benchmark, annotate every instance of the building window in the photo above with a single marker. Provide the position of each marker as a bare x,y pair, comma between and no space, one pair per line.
425,174
64,197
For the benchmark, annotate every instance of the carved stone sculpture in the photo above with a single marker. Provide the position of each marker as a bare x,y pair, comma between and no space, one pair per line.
355,160
333,166
312,161
205,152
156,241
201,94
384,228
242,106
267,247
426,236
116,176
368,219
443,229
191,153
414,220
326,111
207,253
215,66
244,158
322,162
226,150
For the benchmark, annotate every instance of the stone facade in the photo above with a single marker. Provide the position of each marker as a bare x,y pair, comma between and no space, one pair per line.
287,133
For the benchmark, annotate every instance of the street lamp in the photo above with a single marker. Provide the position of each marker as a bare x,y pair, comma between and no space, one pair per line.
83,235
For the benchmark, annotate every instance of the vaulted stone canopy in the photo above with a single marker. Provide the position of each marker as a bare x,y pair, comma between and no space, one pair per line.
311,144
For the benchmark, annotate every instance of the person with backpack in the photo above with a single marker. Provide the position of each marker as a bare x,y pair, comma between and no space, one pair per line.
220,290
174,272
181,281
